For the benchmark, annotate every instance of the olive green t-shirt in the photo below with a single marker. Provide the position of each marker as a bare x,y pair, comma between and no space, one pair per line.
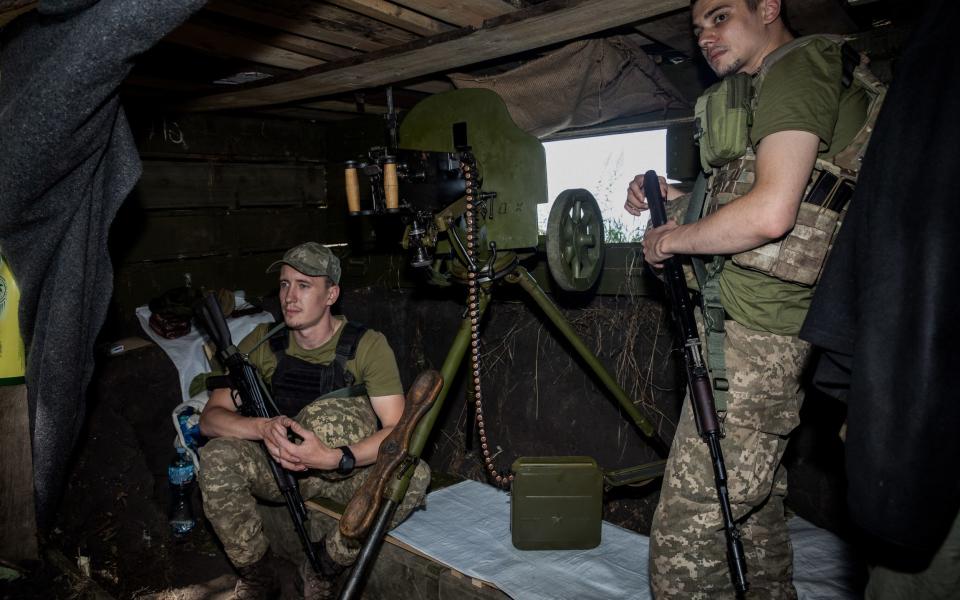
803,91
373,365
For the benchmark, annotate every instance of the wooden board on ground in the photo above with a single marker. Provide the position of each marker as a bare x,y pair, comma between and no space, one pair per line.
332,511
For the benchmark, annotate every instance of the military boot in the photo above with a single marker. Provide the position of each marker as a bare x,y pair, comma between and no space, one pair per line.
322,585
257,581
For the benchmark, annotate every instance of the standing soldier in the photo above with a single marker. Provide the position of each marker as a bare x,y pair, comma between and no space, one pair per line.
785,114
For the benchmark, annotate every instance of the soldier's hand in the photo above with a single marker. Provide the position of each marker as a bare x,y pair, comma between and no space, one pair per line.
653,248
273,432
310,453
637,200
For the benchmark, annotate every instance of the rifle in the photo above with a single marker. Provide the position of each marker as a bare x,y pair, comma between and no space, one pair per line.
698,380
255,401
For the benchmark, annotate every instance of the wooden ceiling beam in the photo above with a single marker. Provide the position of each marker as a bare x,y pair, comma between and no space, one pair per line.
396,15
314,28
322,51
325,23
466,13
359,25
231,45
541,25
279,38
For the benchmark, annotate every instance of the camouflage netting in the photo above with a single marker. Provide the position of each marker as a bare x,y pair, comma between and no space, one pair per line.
583,83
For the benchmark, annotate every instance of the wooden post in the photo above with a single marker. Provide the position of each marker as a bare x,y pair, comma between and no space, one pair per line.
18,519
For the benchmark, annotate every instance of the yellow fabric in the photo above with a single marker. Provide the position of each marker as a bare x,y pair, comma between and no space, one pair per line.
12,356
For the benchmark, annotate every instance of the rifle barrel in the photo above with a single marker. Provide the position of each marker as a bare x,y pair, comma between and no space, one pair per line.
701,391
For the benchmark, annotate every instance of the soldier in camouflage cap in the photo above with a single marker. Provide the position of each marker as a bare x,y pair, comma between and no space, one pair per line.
311,259
332,380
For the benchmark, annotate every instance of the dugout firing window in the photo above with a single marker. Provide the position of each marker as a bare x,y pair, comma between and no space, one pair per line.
604,165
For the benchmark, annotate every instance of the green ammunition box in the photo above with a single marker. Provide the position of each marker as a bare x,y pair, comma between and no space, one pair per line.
556,503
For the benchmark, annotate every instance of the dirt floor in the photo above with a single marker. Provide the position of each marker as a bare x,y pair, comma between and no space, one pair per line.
113,519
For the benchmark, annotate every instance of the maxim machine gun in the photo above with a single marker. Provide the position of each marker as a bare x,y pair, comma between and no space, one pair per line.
467,182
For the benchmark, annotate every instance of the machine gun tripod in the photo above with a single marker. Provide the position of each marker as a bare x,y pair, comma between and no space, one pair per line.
475,228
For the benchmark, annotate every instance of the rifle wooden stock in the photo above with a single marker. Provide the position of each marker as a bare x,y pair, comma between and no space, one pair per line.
362,509
701,391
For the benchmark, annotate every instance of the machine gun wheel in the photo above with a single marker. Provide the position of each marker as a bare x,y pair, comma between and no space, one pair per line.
575,240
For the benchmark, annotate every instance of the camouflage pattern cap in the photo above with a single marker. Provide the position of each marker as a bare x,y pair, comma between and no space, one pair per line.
311,259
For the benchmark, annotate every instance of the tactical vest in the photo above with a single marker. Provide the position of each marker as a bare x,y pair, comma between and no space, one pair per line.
723,116
296,382
800,255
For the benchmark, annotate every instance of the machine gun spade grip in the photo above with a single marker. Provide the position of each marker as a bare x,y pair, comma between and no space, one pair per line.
701,392
373,505
362,508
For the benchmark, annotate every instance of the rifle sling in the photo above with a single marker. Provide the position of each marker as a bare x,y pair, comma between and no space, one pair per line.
708,279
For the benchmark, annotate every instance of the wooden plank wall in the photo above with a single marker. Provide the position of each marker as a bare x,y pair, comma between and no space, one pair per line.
219,199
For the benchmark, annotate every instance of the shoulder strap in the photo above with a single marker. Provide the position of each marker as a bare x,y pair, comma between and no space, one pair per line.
349,340
772,58
279,340
346,346
854,70
850,157
347,349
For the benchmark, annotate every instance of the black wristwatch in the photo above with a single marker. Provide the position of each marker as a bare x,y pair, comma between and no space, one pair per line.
347,461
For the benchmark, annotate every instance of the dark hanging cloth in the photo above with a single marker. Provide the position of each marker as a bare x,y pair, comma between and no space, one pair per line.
886,306
67,162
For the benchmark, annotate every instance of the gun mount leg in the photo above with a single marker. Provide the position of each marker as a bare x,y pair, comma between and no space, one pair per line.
449,371
524,279
368,553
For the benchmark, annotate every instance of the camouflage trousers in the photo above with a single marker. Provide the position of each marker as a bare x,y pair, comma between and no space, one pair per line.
687,545
235,480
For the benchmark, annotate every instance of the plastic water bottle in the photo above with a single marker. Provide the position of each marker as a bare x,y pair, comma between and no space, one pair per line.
182,482
189,421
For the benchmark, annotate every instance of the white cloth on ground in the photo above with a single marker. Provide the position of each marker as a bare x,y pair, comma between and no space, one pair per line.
467,527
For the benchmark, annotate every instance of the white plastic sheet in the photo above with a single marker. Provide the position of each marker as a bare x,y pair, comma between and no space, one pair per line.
186,351
467,527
